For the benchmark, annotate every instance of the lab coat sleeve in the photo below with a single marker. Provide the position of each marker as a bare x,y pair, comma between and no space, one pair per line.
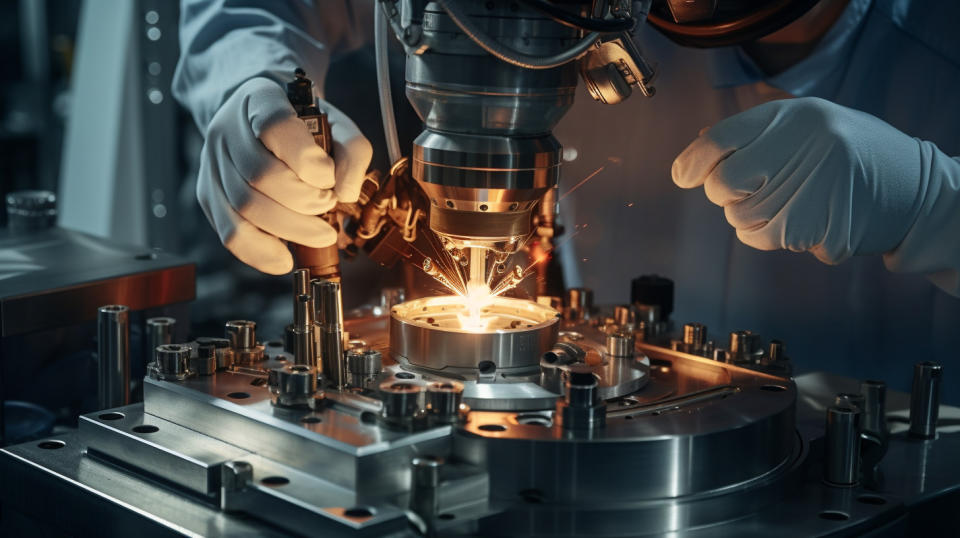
224,43
932,244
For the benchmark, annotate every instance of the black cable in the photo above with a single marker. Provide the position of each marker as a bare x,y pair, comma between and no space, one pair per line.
572,20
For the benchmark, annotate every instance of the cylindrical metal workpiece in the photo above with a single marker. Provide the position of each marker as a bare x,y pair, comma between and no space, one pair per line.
741,343
842,446
159,332
222,351
621,344
581,387
329,319
624,316
363,365
443,400
304,343
694,335
293,385
925,399
301,283
173,359
777,350
424,481
579,303
241,333
400,400
874,417
113,356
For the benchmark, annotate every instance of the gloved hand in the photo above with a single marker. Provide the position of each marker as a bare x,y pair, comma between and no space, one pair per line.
809,175
263,178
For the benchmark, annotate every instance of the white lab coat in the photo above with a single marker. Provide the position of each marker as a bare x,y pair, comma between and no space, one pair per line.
887,57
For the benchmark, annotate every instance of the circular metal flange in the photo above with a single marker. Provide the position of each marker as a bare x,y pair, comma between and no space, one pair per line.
510,338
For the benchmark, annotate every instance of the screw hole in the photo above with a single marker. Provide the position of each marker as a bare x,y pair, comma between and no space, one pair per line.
238,395
450,204
492,427
404,375
358,512
51,445
484,207
533,419
773,388
833,515
872,499
275,481
111,416
146,428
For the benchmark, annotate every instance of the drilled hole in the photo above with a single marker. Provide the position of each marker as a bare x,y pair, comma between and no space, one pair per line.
238,395
533,419
275,481
492,427
358,511
311,420
51,445
146,428
484,207
871,499
404,375
832,515
110,416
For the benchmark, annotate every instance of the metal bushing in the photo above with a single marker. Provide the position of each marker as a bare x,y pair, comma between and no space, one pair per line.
204,361
621,344
171,362
443,401
293,385
363,366
242,335
400,401
223,353
581,407
925,399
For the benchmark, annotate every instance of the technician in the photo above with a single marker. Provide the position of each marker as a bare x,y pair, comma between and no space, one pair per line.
836,171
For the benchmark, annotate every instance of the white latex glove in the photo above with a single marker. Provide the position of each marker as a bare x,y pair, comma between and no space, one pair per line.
809,175
263,179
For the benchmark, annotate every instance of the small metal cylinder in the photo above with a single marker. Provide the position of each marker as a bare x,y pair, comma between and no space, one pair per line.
159,332
581,407
842,446
925,399
329,319
363,365
694,335
223,353
579,303
173,360
400,400
424,481
205,360
241,333
624,316
113,356
301,284
874,417
443,401
621,344
304,351
777,350
741,343
293,385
